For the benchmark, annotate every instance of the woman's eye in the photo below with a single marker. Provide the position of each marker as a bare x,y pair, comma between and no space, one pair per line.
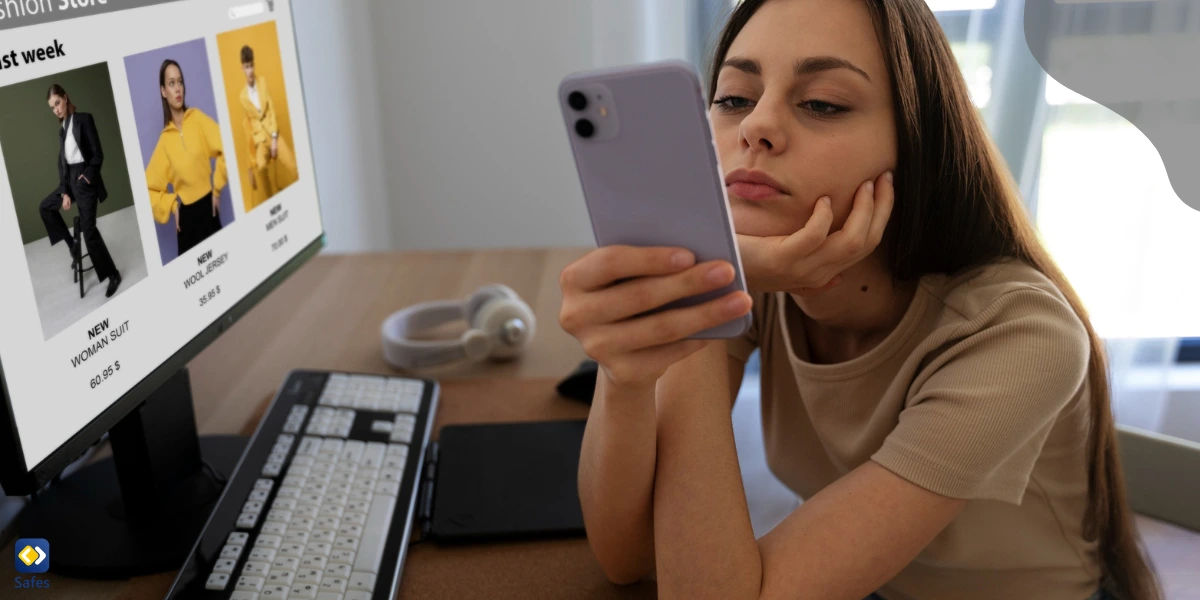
823,109
732,103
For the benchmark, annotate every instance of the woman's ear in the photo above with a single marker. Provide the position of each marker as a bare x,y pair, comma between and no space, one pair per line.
162,91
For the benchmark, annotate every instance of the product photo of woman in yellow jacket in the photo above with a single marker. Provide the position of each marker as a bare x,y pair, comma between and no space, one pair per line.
273,165
183,182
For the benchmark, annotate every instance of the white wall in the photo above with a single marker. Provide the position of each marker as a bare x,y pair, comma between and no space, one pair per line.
337,65
476,151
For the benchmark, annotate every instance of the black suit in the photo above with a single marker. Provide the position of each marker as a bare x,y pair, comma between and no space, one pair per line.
86,193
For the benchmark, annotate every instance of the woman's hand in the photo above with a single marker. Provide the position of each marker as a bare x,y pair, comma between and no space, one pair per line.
812,258
216,202
84,179
600,308
66,202
175,212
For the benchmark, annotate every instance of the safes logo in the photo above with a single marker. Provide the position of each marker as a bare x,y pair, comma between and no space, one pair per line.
33,555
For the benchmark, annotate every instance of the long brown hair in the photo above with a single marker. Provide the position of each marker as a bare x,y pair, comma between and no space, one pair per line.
57,90
162,83
957,207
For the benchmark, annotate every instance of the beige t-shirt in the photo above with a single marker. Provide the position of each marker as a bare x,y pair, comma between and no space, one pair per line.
979,393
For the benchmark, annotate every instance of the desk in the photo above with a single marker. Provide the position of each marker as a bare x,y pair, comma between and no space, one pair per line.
327,316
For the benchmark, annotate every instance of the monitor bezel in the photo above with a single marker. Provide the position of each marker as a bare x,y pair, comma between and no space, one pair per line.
16,476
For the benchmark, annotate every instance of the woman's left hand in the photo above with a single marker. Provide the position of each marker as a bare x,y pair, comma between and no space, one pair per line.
812,259
85,179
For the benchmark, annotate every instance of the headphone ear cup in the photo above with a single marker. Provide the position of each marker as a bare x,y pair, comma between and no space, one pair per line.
509,323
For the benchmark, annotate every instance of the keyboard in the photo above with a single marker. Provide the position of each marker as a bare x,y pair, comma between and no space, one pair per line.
321,504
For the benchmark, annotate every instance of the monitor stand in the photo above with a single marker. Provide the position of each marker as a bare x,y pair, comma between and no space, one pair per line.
140,511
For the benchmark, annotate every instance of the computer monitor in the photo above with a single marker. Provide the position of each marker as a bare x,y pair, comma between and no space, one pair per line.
170,139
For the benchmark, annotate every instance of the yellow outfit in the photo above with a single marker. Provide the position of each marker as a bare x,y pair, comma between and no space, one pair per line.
261,126
181,159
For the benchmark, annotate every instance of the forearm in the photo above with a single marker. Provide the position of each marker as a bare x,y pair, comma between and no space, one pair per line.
616,479
705,544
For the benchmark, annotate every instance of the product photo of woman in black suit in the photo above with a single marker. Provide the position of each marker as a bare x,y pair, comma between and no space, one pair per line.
80,158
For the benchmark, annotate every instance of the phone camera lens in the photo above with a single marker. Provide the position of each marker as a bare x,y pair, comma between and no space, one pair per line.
584,128
577,100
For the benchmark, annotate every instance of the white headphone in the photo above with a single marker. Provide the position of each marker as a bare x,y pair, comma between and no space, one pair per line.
501,326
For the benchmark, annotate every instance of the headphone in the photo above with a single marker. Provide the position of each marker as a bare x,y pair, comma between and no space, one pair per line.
501,327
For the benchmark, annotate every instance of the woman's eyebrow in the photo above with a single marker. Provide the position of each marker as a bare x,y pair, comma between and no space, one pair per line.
808,66
816,64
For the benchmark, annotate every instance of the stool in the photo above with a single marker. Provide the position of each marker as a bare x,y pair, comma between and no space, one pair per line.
77,266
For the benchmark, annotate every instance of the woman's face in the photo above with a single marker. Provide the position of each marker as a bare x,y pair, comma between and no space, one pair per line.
172,88
803,97
58,104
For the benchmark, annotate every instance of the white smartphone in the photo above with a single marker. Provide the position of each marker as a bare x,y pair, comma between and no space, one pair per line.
649,168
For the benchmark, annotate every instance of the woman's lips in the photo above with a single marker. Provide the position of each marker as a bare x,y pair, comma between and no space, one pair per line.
754,191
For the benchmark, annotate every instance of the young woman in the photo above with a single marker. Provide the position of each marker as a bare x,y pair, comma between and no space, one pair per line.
931,386
190,140
274,165
80,158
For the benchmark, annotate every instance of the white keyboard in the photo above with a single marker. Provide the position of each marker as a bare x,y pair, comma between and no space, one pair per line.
324,491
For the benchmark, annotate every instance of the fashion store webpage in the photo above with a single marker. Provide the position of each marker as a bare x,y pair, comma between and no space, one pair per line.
170,140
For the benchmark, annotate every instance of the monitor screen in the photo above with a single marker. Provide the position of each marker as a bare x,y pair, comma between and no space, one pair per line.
169,138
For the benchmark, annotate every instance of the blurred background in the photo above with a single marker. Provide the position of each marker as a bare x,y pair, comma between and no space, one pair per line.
417,107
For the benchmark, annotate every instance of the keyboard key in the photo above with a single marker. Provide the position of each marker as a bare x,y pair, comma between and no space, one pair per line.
280,577
381,426
356,518
217,581
260,553
281,516
362,581
272,469
224,565
350,531
364,494
274,528
397,450
284,504
238,538
301,524
331,510
342,570
231,551
336,585
296,537
299,470
370,549
247,520
288,492
337,499
346,543
303,460
303,591
390,488
314,561
269,541
252,507
249,584
325,536
259,495
319,548
395,462
285,563
309,446
331,523
295,481
274,592
256,568
342,557
307,511
359,506
357,595
264,484
293,550
309,576
243,595
352,451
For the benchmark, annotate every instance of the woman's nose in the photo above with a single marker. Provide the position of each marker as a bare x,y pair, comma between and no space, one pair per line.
763,131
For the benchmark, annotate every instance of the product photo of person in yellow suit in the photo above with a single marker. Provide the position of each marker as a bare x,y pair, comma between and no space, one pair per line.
273,165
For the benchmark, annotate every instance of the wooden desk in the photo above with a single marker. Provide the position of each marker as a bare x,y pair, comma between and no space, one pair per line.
327,316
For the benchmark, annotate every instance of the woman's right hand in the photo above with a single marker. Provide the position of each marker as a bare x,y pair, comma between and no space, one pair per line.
600,308
175,212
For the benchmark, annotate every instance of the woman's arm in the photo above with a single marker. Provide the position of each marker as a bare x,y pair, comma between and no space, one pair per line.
845,542
158,178
616,477
212,139
97,160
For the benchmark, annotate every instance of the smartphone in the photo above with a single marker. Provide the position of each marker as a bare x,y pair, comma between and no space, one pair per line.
649,168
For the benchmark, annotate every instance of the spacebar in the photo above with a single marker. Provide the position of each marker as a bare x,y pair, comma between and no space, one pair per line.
375,532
